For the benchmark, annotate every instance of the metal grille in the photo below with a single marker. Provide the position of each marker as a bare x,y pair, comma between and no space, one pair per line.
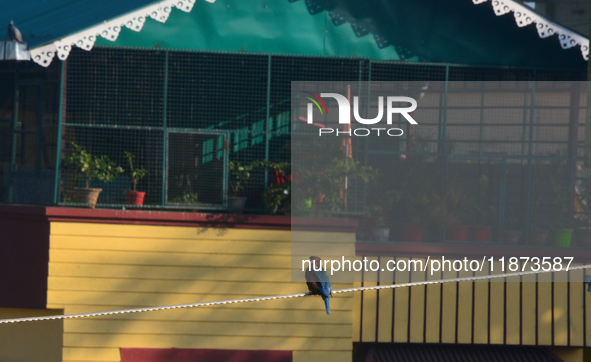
187,116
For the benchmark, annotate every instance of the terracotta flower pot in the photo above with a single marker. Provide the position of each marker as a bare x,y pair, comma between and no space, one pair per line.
511,237
87,196
413,232
456,233
479,233
135,198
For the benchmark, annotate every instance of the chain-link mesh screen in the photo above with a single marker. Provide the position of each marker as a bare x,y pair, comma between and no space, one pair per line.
193,120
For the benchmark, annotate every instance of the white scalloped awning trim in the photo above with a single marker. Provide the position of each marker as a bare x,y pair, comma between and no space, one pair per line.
109,30
525,16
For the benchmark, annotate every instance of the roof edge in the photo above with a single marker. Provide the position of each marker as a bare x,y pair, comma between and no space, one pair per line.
160,11
525,16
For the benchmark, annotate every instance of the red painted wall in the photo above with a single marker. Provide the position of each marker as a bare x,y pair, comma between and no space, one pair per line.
192,355
24,258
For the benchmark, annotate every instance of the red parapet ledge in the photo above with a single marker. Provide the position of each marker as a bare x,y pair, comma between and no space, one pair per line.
175,218
471,251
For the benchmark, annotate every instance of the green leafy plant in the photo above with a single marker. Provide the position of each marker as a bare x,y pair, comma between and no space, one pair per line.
447,204
83,164
328,183
561,194
420,177
186,198
481,208
239,176
512,221
135,174
278,195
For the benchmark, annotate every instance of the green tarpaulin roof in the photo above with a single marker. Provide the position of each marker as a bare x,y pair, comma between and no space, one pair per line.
450,31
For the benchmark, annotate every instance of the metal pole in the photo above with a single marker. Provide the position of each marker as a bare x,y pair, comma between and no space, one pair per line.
58,145
165,132
528,211
573,134
366,140
268,119
14,137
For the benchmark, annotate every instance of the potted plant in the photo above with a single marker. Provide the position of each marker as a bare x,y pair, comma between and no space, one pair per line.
238,179
378,227
322,190
510,233
376,223
82,164
481,231
277,195
419,183
134,197
417,209
447,206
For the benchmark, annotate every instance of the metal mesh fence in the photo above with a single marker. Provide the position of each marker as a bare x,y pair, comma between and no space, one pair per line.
193,119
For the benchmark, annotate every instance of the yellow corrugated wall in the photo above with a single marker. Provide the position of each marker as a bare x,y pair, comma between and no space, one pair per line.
95,267
520,312
33,341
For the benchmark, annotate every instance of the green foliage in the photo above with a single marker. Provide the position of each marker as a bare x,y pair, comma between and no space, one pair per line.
186,198
481,209
239,176
329,182
418,181
561,195
447,204
278,196
83,164
135,174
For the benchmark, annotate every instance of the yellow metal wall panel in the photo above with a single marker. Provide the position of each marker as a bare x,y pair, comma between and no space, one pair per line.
433,315
497,306
357,314
107,267
567,354
92,354
417,306
121,340
233,314
197,328
587,299
449,308
513,310
576,290
528,308
174,273
465,308
368,317
257,247
560,315
31,342
545,309
57,299
386,306
481,308
173,258
401,306
179,232
206,287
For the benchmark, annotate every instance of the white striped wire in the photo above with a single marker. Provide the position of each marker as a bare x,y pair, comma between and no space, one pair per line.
287,296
